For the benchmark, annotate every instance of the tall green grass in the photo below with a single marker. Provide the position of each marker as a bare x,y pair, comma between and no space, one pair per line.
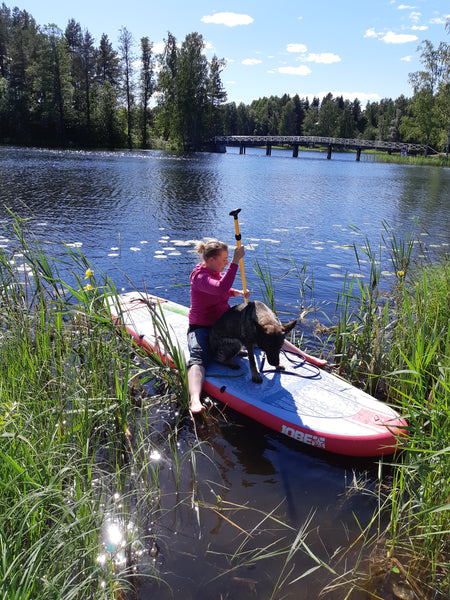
397,344
392,338
66,411
71,440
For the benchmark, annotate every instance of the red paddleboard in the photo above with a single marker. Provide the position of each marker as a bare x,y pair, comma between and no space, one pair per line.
302,402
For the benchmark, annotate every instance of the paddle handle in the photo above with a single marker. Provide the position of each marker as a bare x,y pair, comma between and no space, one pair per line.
234,214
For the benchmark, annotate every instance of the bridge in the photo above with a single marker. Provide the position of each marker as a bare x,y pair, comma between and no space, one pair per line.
313,141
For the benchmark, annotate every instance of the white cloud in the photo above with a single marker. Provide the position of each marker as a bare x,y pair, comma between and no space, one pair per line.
398,38
415,16
228,18
324,57
158,48
407,58
440,20
419,27
371,33
251,61
296,48
405,7
302,70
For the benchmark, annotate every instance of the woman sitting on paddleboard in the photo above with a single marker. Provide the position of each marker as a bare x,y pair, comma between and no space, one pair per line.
210,292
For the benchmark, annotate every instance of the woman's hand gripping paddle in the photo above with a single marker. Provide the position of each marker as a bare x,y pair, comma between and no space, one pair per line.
234,213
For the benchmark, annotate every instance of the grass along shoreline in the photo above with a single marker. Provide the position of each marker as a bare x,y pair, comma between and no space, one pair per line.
71,440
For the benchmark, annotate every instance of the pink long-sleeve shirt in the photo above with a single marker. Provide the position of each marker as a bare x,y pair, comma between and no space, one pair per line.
210,292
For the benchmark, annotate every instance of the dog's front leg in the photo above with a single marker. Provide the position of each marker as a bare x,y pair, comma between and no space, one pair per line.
256,377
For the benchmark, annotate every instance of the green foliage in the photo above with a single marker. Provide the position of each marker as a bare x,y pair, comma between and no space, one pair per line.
399,345
190,90
52,92
67,383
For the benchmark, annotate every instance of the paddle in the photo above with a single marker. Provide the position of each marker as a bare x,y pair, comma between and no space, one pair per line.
234,214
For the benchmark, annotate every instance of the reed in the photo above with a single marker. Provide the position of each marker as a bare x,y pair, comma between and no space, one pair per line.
436,160
76,433
396,344
64,375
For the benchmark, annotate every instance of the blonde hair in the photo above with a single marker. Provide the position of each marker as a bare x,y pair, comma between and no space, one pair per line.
210,248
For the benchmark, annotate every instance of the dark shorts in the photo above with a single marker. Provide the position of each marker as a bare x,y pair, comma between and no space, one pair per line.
198,344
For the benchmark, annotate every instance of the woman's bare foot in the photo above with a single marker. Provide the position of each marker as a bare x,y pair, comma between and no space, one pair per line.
196,406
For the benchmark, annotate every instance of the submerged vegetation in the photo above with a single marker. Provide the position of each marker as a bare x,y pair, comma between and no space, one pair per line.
84,419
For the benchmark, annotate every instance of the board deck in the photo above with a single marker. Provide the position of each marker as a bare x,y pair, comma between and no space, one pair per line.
303,402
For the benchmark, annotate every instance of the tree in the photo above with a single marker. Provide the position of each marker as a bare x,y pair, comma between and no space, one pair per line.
300,109
346,121
215,93
108,64
229,119
22,53
126,49
53,86
288,119
192,97
425,83
186,86
83,70
168,115
109,130
5,26
311,122
147,86
328,116
88,56
246,120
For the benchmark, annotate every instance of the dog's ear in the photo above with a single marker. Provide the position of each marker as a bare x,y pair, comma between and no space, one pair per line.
289,326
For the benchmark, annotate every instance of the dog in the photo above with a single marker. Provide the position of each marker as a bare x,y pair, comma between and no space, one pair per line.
252,325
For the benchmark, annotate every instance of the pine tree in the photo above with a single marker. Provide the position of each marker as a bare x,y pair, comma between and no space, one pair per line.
147,87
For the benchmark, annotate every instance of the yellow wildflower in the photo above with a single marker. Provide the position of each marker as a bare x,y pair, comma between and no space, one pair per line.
400,273
89,273
88,287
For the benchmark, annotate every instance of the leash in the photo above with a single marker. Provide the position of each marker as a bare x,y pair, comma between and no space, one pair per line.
314,371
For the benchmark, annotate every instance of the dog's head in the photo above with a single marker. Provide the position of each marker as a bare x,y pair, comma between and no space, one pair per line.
271,338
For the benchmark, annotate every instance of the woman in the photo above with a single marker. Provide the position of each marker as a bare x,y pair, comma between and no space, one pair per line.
210,292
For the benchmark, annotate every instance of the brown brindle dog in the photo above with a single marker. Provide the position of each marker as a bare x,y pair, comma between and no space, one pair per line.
251,325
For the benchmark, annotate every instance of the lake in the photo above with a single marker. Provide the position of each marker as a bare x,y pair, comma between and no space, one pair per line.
136,215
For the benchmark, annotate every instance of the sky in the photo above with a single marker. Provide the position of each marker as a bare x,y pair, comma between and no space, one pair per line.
361,49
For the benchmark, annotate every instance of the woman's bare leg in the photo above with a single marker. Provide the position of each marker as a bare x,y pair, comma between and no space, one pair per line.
196,377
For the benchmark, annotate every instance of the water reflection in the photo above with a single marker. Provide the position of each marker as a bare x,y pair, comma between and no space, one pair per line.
119,205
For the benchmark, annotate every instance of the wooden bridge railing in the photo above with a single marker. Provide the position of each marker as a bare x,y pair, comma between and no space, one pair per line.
314,140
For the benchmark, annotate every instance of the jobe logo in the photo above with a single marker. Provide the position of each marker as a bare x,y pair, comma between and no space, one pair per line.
306,438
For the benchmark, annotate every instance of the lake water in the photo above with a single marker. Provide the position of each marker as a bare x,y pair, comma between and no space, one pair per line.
136,216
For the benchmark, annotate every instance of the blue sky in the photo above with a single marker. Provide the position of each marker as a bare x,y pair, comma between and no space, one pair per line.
363,49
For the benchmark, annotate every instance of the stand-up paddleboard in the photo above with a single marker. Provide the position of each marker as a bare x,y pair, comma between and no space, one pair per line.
303,402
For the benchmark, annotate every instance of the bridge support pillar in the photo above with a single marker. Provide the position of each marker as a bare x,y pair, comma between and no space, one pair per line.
269,150
358,154
329,151
242,149
295,151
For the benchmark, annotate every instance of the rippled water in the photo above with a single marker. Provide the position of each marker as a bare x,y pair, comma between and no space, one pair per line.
136,214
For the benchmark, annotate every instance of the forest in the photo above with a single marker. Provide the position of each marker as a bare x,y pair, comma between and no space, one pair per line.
58,88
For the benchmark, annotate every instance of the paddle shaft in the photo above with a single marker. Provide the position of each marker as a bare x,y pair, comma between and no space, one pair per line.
234,214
